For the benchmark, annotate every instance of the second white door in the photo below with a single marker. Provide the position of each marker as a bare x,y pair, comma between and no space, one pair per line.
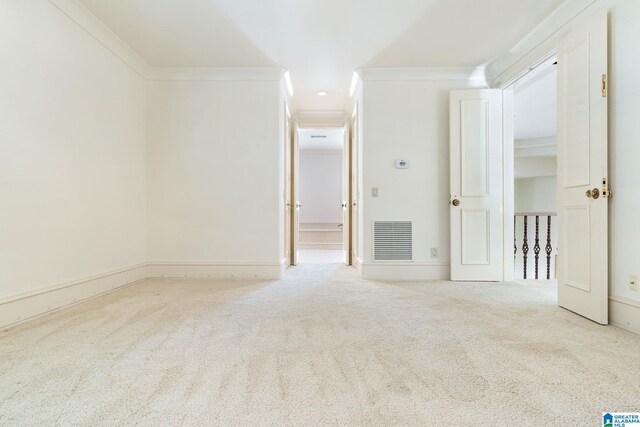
476,185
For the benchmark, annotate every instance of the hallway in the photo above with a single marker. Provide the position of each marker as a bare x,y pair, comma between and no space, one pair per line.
321,346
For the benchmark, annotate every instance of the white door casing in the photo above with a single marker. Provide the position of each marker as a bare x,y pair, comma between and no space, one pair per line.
287,189
582,165
354,188
476,185
346,196
295,167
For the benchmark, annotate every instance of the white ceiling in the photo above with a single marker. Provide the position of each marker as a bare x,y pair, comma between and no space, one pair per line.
321,42
321,139
535,103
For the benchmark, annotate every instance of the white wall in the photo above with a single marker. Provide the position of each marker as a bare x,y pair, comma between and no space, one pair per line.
408,120
536,195
624,147
72,154
321,186
215,172
530,167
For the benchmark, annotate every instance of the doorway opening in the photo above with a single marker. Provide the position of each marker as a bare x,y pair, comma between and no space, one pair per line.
535,176
321,187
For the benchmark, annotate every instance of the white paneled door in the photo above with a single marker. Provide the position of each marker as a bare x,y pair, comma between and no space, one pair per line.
582,170
476,185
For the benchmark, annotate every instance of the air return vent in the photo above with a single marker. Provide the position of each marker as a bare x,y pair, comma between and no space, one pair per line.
392,241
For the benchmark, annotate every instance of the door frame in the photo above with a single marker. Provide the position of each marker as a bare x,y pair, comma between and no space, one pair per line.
288,195
298,125
508,160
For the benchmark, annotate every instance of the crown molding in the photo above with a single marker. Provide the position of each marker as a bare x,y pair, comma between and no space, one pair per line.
540,43
86,20
437,73
217,74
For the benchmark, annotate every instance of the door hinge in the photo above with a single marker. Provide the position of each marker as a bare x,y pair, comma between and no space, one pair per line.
606,191
604,85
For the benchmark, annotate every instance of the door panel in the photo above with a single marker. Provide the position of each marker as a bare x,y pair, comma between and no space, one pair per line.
576,221
476,185
474,147
582,164
476,225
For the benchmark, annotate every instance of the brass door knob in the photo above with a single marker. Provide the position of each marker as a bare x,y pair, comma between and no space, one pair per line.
595,193
588,194
455,202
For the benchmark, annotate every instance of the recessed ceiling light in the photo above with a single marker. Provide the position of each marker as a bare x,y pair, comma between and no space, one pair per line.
321,93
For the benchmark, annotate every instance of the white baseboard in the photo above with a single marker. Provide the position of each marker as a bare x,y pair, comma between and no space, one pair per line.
404,271
242,270
18,308
357,263
624,313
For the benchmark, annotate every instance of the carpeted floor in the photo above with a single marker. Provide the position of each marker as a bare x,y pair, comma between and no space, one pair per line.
319,347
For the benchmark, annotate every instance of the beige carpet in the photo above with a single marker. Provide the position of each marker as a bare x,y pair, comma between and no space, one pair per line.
320,347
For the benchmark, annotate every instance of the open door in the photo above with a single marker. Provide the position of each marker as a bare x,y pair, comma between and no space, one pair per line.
476,185
295,188
346,197
582,170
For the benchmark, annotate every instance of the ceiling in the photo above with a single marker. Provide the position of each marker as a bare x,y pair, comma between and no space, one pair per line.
321,42
321,139
535,103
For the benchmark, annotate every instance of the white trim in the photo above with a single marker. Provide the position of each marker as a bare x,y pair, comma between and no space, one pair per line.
508,185
31,304
357,263
86,20
253,270
538,42
405,271
216,74
394,74
625,300
624,313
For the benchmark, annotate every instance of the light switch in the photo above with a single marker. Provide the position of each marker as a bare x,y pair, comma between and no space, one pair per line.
374,192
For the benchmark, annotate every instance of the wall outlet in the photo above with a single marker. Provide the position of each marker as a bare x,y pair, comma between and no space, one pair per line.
434,252
633,283
374,192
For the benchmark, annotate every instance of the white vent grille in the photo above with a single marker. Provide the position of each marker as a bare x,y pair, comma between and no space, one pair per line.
392,241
